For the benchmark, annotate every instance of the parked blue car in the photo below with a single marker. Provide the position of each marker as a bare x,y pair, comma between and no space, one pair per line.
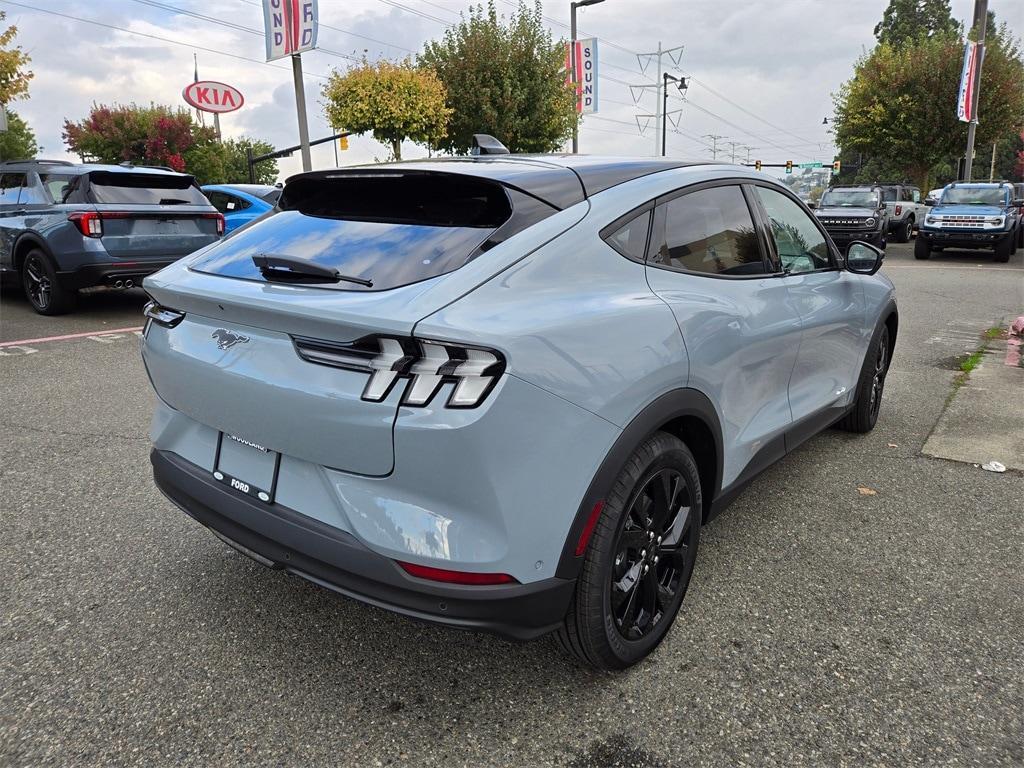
975,216
241,203
505,392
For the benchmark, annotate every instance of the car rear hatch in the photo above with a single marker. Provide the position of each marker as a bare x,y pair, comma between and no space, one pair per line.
273,352
151,215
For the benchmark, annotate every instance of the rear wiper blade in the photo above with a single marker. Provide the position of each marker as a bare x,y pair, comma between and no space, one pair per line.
289,269
173,201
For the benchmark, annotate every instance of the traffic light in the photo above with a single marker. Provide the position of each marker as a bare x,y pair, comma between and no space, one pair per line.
343,143
789,166
836,166
757,165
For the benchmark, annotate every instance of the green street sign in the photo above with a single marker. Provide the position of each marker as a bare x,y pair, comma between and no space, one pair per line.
809,165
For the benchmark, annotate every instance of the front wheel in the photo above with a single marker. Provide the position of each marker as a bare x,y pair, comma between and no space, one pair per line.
1003,249
864,415
922,250
638,562
42,288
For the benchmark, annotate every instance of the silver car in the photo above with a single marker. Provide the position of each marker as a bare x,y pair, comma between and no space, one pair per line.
504,393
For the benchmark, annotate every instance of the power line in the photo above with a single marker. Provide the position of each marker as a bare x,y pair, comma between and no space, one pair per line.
154,37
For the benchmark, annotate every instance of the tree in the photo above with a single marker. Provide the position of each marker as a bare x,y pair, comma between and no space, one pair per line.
898,110
396,102
19,141
507,80
214,162
154,135
13,75
905,21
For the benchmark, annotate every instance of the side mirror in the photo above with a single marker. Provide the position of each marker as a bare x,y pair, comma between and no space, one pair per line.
863,258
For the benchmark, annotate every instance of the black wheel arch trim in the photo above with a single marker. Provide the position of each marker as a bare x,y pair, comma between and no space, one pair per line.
668,407
35,240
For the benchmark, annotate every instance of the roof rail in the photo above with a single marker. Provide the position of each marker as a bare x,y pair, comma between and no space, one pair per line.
37,160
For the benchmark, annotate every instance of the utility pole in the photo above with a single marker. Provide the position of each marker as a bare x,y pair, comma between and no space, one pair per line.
300,105
748,150
682,85
732,149
992,168
980,22
714,144
675,56
574,65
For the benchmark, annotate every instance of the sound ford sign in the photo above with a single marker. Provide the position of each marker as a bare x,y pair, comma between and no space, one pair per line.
211,96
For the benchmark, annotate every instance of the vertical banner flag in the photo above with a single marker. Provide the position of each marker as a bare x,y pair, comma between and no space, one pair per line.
586,68
968,82
291,27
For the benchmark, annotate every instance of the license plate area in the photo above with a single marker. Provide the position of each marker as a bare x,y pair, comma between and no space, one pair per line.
246,467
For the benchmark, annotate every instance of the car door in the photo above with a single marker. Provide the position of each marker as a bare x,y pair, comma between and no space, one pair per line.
707,261
830,304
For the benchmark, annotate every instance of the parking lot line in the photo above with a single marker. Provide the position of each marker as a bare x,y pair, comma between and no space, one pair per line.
82,335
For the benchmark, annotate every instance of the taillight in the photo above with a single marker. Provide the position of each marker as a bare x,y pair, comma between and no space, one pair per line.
455,577
89,223
426,364
899,209
220,221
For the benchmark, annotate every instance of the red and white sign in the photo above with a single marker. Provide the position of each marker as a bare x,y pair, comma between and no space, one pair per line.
586,73
968,82
211,96
290,25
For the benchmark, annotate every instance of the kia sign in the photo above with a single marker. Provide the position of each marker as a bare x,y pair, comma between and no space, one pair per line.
290,26
211,96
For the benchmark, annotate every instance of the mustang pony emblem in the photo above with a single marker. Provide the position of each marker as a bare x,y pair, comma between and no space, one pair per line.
226,339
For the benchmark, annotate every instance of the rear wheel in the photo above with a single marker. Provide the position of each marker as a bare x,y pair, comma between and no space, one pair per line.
1003,249
42,289
922,249
902,233
639,559
864,415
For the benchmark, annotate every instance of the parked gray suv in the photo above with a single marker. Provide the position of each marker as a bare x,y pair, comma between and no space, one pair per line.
65,227
505,392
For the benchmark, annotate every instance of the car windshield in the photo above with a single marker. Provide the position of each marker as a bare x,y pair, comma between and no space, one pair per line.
974,196
850,198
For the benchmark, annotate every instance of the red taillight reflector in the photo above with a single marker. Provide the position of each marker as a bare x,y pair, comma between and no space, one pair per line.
455,577
899,209
88,223
581,545
220,221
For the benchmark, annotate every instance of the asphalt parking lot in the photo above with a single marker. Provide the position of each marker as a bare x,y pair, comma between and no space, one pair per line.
860,603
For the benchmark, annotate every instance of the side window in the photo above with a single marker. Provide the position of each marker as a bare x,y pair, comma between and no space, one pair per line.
33,193
218,200
10,187
58,186
905,195
801,246
238,203
915,195
710,232
631,238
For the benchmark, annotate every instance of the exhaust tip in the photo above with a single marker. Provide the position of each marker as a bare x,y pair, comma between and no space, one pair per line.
129,283
119,283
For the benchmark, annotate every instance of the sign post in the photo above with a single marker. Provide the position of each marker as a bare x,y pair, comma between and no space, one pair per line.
291,28
970,82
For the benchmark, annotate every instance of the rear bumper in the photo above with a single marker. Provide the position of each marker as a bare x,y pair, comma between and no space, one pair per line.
107,273
963,239
279,537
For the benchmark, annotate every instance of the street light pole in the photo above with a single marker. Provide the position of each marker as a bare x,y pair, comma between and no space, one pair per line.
682,86
573,66
980,22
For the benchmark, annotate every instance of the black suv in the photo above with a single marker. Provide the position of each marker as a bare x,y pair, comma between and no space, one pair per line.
854,213
64,226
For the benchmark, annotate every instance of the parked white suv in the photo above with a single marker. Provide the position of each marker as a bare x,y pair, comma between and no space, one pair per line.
906,209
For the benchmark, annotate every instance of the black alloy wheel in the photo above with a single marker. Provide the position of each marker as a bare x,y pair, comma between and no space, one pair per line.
653,553
42,288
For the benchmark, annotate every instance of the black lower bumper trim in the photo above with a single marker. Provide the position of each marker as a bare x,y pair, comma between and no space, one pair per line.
963,239
279,537
105,274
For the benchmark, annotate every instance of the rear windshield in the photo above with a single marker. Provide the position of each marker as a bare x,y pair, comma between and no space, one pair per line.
389,228
144,189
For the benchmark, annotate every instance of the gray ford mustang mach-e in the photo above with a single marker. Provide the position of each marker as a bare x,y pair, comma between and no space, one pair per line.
504,392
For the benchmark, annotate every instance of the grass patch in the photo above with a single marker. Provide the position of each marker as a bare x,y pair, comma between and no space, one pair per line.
970,362
995,333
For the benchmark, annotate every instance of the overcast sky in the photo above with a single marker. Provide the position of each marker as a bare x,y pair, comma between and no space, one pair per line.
763,71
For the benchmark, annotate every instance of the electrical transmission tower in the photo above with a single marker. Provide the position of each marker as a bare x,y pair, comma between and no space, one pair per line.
675,55
714,143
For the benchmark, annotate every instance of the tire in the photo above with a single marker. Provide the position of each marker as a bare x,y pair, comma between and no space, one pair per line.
1003,250
902,232
639,558
864,414
42,288
922,249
